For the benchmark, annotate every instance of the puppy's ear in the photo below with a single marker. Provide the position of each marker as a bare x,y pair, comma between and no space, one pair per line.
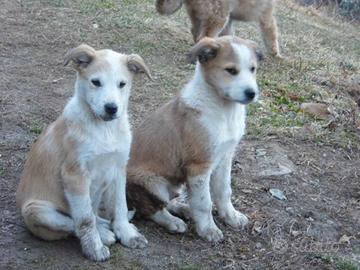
137,65
81,56
205,50
257,50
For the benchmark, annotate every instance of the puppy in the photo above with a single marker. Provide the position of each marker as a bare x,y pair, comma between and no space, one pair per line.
191,140
214,17
83,153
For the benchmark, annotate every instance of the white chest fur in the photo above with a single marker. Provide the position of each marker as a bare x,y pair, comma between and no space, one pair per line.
225,128
103,146
223,120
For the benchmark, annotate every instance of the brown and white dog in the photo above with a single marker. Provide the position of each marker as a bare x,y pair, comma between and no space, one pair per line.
82,155
191,140
214,18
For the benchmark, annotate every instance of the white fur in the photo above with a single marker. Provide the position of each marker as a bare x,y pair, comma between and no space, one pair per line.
104,151
245,79
172,223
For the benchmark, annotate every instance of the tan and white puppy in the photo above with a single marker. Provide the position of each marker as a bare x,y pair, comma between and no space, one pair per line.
191,140
83,153
214,18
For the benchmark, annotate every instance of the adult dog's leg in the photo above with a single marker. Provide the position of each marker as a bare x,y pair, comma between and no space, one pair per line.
201,207
45,221
270,32
227,30
221,191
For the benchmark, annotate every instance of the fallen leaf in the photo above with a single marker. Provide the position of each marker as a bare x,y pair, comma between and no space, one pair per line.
318,110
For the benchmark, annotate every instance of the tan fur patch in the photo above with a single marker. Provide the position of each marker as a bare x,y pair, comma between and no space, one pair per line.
169,146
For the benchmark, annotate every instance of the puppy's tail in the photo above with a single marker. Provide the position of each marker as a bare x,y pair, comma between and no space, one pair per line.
168,7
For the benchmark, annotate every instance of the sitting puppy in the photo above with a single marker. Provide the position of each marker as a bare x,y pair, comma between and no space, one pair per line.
81,154
191,140
214,17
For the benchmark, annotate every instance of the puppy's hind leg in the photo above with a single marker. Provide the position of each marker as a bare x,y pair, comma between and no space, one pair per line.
104,228
45,221
170,222
149,194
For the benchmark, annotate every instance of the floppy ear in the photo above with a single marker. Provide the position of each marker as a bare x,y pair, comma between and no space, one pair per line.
81,56
205,50
137,65
258,52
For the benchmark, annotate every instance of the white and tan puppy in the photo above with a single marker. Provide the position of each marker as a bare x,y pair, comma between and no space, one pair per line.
83,153
191,140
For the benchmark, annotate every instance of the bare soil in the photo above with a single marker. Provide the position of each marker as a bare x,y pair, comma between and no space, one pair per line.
317,227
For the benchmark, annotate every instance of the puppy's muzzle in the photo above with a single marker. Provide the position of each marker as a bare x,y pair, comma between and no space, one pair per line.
110,109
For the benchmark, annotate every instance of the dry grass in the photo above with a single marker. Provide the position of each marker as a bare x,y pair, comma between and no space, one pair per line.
322,64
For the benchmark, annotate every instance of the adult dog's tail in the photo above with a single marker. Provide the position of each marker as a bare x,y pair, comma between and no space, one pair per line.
168,7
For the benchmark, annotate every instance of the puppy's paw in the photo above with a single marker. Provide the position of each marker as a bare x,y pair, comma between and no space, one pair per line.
107,236
235,219
212,234
177,225
137,242
98,255
129,236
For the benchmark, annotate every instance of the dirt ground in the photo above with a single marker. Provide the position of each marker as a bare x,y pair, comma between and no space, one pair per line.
316,163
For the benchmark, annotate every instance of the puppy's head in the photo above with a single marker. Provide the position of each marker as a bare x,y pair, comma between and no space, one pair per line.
104,79
228,64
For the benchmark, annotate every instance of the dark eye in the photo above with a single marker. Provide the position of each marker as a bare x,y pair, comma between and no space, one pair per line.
122,84
252,69
96,82
232,71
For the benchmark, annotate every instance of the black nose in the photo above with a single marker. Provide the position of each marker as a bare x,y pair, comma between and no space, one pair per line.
111,108
249,93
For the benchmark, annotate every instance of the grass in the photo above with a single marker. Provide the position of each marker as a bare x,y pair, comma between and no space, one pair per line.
313,71
35,128
338,262
187,267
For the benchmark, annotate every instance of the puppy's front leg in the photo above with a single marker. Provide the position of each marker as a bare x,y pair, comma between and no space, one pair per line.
123,229
221,191
201,207
77,193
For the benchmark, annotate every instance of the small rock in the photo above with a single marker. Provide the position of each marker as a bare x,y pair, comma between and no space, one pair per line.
260,152
277,193
295,233
258,245
318,110
290,210
345,239
257,228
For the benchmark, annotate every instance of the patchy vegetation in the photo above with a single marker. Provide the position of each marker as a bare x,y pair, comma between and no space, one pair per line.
350,9
314,160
